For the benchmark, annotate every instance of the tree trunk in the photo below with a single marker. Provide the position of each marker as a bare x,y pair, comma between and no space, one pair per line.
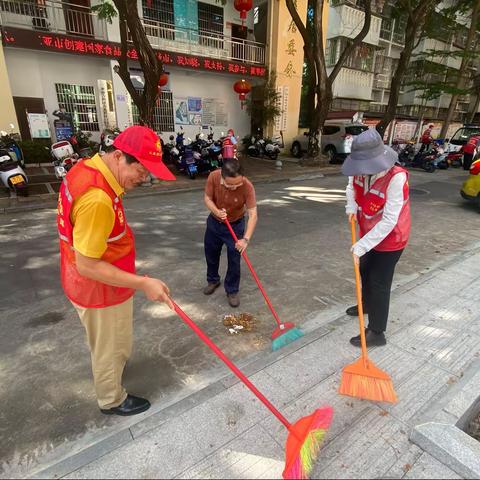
469,47
415,21
151,66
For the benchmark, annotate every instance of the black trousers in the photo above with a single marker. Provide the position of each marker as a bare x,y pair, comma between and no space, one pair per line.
467,160
377,269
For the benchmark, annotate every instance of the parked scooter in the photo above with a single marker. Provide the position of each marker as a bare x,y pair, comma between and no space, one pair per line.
408,158
187,162
107,138
261,147
9,143
63,158
170,151
12,174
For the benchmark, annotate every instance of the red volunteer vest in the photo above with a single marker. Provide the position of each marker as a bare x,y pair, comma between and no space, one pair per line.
120,252
370,210
471,145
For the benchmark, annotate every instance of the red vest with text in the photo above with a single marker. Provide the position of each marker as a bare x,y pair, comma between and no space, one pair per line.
120,252
371,205
471,145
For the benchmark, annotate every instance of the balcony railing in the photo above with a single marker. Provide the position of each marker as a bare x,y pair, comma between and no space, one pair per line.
203,43
51,16
70,19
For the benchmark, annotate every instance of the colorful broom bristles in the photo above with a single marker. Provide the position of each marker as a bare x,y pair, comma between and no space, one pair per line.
304,441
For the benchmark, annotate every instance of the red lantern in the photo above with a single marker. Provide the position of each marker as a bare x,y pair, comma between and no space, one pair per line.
163,80
243,6
242,87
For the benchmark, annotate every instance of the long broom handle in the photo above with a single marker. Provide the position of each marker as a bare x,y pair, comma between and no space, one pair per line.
247,261
359,299
230,364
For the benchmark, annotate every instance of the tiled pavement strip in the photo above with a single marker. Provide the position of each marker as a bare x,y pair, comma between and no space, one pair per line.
433,336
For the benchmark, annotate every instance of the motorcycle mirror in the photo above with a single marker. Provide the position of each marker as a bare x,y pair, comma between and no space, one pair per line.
222,134
12,126
3,133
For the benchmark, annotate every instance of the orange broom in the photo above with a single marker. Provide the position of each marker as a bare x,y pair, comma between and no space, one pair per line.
363,379
305,436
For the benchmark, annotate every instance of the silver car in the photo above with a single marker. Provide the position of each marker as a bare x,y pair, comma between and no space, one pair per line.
336,140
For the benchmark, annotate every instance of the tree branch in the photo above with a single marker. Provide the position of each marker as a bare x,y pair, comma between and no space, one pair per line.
355,42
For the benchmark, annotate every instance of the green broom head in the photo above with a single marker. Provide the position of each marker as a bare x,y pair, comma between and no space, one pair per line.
285,334
304,441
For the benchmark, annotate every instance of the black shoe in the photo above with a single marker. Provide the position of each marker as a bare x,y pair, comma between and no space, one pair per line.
373,339
130,406
353,311
210,288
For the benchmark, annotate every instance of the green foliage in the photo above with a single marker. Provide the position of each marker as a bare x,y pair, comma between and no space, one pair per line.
36,151
263,104
105,11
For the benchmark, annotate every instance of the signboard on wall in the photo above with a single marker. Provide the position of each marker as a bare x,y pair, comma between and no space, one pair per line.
16,37
38,124
200,111
180,110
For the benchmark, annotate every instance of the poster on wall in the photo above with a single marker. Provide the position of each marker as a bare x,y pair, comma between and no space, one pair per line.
195,118
195,110
180,107
209,116
38,124
221,114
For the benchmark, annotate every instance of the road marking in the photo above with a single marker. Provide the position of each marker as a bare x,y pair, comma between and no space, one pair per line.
49,188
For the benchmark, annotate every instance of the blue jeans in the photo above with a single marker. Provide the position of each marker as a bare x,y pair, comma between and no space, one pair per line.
216,235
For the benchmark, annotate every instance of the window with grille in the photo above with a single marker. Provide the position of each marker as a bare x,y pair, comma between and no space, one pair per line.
159,18
210,25
162,115
79,101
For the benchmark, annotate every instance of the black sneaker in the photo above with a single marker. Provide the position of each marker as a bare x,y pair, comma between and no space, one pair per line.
131,406
373,339
353,311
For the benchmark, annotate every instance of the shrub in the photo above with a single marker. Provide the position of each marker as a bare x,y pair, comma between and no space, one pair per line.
34,151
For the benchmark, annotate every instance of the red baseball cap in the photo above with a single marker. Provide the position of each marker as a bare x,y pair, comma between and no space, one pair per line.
144,144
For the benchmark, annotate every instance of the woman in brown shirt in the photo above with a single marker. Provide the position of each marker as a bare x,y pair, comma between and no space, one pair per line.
228,194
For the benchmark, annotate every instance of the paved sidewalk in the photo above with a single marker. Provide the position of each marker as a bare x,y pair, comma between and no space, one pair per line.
44,188
224,432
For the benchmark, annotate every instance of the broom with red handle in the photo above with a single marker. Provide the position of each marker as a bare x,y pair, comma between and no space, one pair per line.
284,333
305,435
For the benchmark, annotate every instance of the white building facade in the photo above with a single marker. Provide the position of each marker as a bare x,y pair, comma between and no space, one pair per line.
61,55
363,84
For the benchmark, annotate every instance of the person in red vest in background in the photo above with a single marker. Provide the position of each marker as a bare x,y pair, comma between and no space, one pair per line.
229,145
378,198
469,151
97,257
426,139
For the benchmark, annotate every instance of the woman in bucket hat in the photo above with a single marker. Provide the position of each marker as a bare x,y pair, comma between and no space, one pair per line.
378,197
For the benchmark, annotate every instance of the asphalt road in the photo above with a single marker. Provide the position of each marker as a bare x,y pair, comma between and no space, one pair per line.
300,251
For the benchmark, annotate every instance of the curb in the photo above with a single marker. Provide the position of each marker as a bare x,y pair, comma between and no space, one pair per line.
442,435
52,202
250,366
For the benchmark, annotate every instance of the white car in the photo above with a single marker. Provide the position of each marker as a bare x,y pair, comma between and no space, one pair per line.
336,140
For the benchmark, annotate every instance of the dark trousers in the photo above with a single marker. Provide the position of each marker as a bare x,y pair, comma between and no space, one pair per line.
216,235
376,270
467,160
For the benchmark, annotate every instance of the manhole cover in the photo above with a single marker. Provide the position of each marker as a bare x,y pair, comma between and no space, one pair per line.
418,191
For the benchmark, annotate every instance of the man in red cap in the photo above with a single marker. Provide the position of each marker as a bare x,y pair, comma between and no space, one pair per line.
97,254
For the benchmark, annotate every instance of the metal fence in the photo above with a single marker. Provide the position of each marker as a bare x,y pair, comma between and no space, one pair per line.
163,114
51,16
